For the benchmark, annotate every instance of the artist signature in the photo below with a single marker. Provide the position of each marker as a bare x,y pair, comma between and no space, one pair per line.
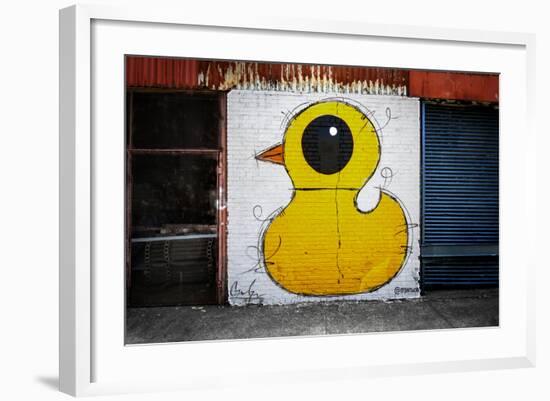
249,295
402,290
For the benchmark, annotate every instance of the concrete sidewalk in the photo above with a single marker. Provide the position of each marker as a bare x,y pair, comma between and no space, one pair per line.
435,310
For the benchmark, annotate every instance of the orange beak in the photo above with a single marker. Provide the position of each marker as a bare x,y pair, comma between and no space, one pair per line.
273,154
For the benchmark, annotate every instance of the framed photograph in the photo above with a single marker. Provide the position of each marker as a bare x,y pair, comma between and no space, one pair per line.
312,197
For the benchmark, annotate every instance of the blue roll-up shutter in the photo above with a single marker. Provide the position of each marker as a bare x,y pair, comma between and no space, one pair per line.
460,202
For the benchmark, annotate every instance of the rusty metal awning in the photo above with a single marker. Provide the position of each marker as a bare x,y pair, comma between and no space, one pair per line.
183,73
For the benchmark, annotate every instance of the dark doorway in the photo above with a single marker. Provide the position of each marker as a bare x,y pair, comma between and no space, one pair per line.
175,168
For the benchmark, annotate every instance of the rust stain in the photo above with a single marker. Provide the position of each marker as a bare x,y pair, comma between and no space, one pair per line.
224,75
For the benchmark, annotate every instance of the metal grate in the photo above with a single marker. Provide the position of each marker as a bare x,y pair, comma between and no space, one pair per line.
178,271
459,195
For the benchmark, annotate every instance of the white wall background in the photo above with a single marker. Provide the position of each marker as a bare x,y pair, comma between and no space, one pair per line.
256,121
28,202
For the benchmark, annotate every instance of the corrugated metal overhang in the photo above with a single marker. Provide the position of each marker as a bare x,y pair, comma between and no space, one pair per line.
184,73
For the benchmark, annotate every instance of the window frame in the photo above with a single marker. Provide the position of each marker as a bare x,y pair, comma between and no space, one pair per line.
220,154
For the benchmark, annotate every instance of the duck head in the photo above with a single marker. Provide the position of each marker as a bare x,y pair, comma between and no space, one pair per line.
328,145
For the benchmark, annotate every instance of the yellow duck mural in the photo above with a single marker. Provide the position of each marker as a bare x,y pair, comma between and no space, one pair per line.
321,243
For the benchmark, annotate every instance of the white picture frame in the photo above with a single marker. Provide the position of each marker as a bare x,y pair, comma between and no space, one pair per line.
93,358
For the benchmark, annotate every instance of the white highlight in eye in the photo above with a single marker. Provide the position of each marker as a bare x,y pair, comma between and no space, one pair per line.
333,131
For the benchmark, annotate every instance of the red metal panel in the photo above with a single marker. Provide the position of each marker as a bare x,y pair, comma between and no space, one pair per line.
454,85
161,72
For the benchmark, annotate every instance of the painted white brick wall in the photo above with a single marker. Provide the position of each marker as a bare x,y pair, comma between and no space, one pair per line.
255,121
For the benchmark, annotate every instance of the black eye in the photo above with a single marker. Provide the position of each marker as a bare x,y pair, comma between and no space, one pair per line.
327,144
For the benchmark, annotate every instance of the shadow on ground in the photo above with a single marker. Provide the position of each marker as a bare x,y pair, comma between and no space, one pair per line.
50,382
435,310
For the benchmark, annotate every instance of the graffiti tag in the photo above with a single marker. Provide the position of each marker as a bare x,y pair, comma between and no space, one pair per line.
249,295
405,290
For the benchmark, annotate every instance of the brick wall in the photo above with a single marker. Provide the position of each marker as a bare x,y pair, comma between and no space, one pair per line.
258,191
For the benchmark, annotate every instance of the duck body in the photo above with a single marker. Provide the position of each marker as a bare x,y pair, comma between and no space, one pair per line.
321,243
